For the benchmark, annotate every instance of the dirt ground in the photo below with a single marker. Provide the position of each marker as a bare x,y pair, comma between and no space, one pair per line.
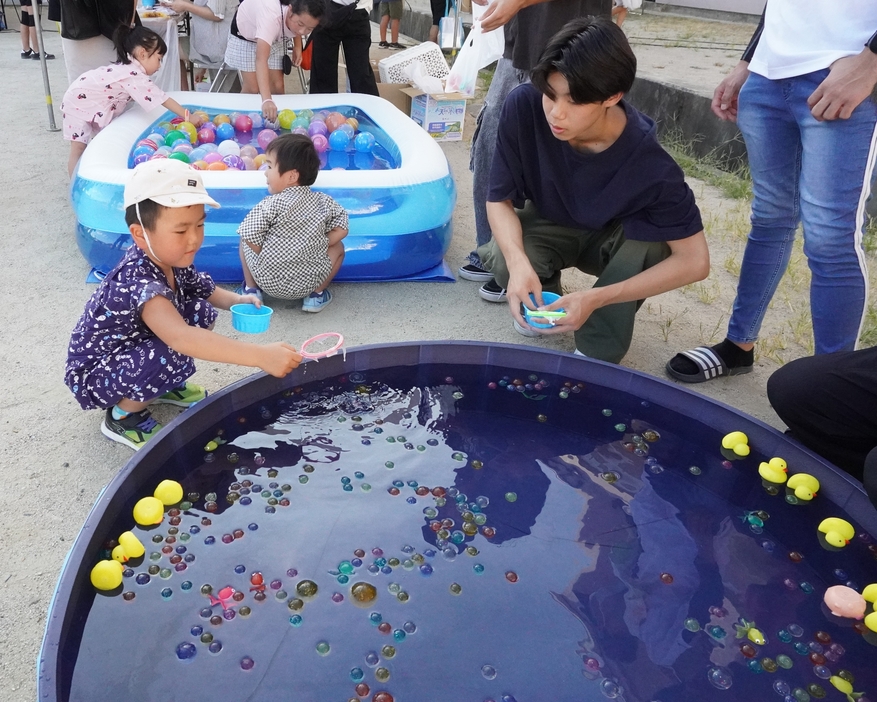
54,457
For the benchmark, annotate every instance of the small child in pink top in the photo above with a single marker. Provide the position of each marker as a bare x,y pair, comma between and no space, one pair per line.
98,96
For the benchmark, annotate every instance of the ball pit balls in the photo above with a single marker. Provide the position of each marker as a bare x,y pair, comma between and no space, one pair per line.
317,127
221,119
217,166
148,142
199,165
249,151
182,147
213,157
243,123
300,122
338,140
198,154
347,129
234,162
321,143
364,142
156,138
285,118
157,155
353,122
229,148
206,136
249,163
209,148
179,156
259,161
266,136
141,158
143,151
300,130
306,113
173,137
201,116
335,120
224,132
256,119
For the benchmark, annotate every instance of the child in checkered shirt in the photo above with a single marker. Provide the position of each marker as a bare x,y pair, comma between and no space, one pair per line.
291,242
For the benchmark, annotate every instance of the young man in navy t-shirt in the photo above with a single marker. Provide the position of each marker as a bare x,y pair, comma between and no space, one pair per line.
579,179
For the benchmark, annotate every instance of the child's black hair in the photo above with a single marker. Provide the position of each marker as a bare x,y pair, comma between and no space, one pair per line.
315,8
593,54
150,211
295,152
126,39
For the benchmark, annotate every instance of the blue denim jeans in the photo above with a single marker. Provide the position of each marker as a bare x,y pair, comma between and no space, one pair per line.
810,172
505,79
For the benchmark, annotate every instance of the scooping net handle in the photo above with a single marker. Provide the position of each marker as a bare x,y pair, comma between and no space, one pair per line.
326,352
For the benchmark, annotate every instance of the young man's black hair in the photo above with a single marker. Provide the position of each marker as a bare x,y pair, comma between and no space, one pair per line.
295,152
594,56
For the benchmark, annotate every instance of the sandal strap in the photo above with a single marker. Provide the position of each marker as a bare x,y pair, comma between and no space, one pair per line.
709,362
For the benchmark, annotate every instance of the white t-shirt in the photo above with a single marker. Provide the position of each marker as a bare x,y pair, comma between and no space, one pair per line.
803,36
208,39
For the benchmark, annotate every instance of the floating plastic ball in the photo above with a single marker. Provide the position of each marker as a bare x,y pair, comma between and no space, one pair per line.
259,161
249,165
148,511
338,140
235,162
190,130
217,166
179,156
157,155
321,143
317,127
131,544
143,151
335,120
285,118
141,158
265,137
199,165
300,121
221,119
182,147
198,153
223,132
257,120
249,151
106,575
206,136
243,123
213,157
229,148
156,138
173,137
148,142
300,130
202,116
169,492
353,122
347,129
364,142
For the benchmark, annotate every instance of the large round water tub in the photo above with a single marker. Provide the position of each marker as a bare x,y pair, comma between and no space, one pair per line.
450,522
400,217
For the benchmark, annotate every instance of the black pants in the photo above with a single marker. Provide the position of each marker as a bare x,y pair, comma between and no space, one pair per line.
829,403
353,31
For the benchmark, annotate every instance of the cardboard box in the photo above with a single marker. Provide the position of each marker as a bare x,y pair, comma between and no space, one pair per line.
441,115
392,92
428,53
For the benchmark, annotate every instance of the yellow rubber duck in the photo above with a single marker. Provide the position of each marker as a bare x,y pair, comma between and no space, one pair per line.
106,575
129,547
737,442
774,471
169,492
845,687
837,531
804,485
869,594
148,511
871,622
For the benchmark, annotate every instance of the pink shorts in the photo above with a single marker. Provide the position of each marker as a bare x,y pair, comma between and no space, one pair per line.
77,129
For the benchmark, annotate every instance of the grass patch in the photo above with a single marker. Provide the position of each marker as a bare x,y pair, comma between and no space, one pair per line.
735,184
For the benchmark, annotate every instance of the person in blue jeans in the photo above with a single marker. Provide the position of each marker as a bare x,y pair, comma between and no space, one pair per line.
802,97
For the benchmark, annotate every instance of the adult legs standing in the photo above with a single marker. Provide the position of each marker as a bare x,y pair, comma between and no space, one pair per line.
353,29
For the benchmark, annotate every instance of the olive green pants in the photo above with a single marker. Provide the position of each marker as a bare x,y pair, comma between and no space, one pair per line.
606,254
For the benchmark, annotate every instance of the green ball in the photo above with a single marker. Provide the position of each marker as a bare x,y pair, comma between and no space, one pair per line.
179,156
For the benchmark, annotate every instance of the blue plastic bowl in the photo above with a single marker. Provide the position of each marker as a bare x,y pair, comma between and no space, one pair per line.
529,315
250,319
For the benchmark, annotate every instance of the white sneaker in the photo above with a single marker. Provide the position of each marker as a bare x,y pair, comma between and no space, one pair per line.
524,331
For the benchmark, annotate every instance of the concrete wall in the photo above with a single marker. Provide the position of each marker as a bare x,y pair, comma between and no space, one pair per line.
747,7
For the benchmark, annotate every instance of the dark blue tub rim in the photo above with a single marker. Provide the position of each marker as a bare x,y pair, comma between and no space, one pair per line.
841,488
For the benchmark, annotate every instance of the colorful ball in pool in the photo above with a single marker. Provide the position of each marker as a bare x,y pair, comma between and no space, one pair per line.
265,137
156,138
199,165
338,140
285,118
208,148
149,142
221,119
300,121
259,161
229,148
206,136
173,137
256,118
213,157
249,163
353,122
307,113
179,156
317,127
217,166
249,151
347,129
198,153
161,129
143,151
335,120
224,132
182,147
141,158
364,142
300,130
321,143
243,123
234,162
156,155
201,115
189,130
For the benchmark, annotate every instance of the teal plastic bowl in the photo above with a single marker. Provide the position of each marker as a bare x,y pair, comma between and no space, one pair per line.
250,319
530,316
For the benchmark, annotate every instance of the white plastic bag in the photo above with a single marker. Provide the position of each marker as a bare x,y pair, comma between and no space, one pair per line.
479,50
415,74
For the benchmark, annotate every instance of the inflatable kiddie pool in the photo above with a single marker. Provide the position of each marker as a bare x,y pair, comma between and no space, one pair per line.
460,521
400,212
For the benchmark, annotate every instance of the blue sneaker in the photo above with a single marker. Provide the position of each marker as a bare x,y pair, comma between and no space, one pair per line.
244,290
316,301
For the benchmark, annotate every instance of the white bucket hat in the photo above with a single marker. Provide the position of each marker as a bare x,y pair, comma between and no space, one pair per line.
168,182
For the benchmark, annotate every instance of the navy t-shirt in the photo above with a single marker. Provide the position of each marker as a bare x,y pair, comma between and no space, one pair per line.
634,181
